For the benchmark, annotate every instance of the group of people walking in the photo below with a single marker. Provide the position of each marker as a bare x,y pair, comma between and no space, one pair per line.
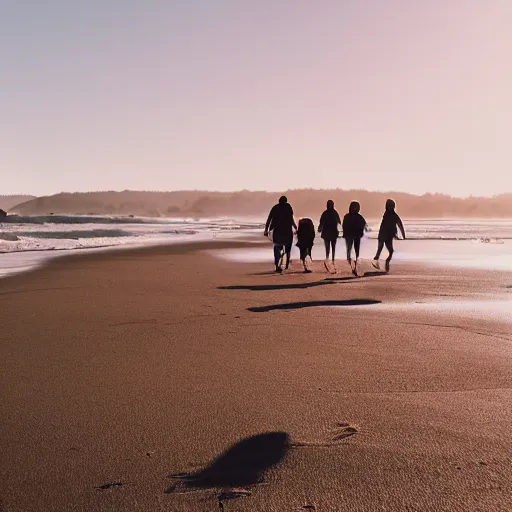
280,226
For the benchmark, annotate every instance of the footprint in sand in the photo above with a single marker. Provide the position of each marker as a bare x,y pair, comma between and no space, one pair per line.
231,495
335,436
109,485
342,431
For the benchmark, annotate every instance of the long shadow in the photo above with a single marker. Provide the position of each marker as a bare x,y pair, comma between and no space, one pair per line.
298,286
350,278
242,465
267,287
312,304
273,273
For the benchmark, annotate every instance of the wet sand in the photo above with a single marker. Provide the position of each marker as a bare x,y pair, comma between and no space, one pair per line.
171,379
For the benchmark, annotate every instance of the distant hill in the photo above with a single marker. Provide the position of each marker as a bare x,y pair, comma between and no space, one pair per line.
244,203
7,202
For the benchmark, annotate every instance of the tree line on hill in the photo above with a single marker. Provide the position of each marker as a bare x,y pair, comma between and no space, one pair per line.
306,202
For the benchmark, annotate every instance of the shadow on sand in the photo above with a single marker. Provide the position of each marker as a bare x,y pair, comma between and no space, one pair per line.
242,465
312,304
351,278
267,287
299,286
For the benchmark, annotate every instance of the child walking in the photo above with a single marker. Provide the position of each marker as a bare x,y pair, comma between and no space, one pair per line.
305,240
328,227
353,227
388,232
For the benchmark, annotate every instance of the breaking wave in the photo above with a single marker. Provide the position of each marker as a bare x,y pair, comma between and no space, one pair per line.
68,232
483,240
9,237
80,219
74,235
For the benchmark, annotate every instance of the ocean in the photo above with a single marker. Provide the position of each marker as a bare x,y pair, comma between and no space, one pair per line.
26,242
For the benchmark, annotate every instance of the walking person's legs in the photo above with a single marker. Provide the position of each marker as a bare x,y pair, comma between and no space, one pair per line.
327,244
391,250
380,246
304,253
349,242
375,261
288,250
357,247
278,251
333,247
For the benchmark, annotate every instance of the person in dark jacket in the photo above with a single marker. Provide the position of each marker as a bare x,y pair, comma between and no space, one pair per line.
281,223
328,227
353,225
305,240
387,232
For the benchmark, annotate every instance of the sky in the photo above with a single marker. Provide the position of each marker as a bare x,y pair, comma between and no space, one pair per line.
402,95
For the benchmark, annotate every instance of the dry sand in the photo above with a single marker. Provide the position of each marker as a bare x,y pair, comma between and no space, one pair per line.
127,367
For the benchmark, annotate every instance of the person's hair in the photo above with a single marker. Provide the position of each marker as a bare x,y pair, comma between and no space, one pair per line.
390,204
283,199
330,204
354,207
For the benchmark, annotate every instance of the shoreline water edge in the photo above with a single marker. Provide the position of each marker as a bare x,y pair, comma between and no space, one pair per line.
465,243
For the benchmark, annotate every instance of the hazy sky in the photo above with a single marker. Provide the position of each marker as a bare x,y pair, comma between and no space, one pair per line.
406,95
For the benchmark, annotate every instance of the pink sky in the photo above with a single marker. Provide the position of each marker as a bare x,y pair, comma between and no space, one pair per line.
226,95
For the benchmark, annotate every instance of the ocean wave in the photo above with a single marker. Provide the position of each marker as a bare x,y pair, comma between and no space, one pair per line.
220,223
74,235
79,219
429,237
51,249
9,237
487,240
215,223
178,232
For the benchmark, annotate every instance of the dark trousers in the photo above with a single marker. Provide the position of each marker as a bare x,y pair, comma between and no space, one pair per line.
305,252
330,244
388,242
278,253
356,243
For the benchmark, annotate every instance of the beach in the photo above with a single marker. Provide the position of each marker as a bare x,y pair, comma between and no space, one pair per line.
123,372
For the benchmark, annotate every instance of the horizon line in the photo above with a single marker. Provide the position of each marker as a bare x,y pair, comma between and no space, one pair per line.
237,191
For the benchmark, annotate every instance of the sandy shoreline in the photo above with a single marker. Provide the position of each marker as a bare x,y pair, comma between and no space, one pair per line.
128,367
